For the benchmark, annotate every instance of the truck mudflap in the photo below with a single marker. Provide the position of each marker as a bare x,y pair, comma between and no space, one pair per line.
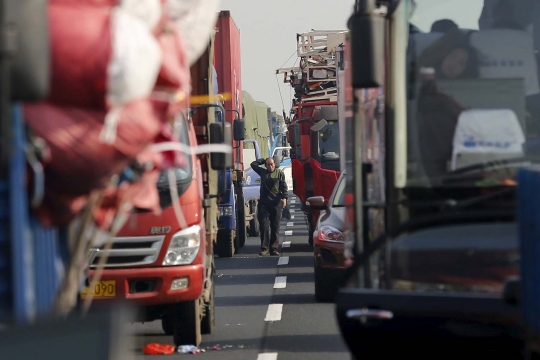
416,322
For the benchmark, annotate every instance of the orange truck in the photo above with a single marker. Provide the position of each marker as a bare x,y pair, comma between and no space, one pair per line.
164,267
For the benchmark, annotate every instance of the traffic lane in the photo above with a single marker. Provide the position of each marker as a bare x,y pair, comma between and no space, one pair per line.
241,305
307,329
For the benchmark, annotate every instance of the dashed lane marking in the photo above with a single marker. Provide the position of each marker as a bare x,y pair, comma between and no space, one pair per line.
283,260
286,244
267,356
281,282
290,224
288,232
274,312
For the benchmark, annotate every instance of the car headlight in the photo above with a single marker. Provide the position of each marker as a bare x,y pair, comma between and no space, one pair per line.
184,247
225,211
331,234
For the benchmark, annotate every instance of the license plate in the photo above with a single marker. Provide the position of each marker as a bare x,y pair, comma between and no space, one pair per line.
106,288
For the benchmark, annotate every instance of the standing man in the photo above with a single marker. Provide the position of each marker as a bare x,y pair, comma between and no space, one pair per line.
273,199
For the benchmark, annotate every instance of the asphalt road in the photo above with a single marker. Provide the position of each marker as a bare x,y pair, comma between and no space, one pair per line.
265,310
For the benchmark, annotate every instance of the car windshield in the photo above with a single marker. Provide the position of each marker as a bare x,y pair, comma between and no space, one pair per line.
473,92
329,142
339,198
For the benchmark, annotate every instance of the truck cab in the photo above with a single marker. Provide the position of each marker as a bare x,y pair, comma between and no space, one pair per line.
161,262
445,113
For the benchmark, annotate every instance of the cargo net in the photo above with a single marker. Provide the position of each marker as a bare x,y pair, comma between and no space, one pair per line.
315,79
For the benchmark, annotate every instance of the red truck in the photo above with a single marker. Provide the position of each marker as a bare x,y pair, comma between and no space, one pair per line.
227,62
314,130
165,268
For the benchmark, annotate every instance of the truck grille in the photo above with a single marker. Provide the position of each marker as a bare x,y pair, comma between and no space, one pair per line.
131,251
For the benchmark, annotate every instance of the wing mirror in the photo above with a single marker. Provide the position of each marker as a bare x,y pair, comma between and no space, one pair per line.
220,133
317,203
239,131
367,46
29,70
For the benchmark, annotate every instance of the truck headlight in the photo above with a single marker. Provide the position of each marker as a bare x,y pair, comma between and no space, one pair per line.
331,234
225,211
184,247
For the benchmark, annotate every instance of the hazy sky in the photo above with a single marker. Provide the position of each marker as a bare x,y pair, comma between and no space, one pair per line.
268,31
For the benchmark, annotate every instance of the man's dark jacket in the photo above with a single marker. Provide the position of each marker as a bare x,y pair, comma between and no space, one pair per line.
273,185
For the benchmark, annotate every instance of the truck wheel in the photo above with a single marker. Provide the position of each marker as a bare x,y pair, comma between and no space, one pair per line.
225,243
241,236
187,323
324,289
167,324
209,317
311,228
254,226
240,220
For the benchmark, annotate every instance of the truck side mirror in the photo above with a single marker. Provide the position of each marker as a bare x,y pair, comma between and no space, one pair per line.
220,133
30,65
367,48
239,130
316,203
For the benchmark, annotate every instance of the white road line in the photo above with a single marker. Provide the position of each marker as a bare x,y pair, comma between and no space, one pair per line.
292,217
267,356
283,260
274,312
290,224
292,210
286,244
288,232
281,282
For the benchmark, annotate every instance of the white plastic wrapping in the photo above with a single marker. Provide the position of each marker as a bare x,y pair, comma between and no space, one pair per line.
148,11
135,62
195,20
134,66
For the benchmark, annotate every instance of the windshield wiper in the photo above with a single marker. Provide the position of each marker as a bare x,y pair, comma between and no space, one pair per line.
489,165
461,204
453,204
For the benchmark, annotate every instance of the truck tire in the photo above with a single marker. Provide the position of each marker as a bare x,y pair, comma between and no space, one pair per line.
209,317
240,220
225,243
324,287
254,226
311,228
187,323
167,324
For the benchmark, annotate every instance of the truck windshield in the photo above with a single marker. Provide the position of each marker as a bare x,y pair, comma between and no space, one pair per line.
473,94
183,174
328,144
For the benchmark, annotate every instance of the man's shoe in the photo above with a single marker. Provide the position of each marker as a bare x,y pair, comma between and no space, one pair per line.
263,253
274,253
